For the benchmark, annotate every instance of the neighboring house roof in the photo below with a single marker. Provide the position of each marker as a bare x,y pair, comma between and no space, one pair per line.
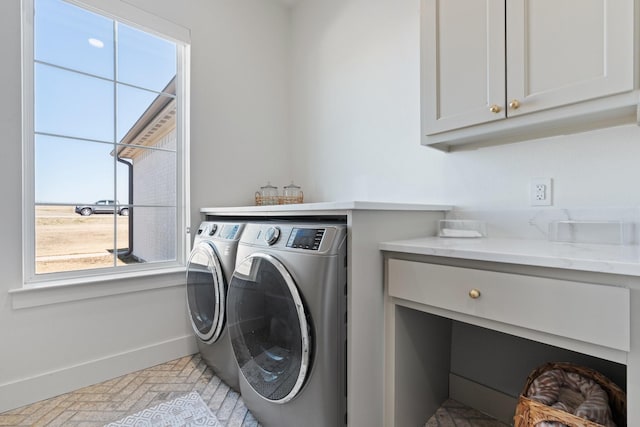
158,120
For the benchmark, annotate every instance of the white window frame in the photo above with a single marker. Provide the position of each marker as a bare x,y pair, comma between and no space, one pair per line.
130,15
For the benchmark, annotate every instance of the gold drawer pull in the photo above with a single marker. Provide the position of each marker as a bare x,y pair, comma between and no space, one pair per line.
474,294
514,105
495,109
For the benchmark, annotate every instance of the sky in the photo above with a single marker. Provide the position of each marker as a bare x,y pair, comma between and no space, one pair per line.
92,107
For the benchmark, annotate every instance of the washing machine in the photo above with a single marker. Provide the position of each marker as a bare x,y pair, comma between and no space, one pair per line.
210,266
287,322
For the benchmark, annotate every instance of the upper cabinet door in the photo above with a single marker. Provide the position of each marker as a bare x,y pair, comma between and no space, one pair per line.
463,63
560,52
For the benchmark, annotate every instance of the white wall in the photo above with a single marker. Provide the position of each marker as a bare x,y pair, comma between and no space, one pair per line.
239,113
355,103
355,124
591,169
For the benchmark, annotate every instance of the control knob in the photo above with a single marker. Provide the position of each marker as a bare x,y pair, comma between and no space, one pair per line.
214,227
271,235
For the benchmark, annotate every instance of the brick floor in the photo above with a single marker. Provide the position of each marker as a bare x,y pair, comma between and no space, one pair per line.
102,403
112,400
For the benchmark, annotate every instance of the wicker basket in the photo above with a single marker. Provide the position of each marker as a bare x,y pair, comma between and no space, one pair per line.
530,412
277,200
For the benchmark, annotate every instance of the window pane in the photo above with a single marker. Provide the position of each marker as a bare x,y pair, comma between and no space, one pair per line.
104,150
137,109
72,171
71,37
154,173
145,60
154,234
66,241
72,104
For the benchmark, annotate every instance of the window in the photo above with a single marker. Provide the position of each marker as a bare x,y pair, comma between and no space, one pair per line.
105,162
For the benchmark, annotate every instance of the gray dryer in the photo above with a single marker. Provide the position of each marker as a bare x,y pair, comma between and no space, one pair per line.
287,322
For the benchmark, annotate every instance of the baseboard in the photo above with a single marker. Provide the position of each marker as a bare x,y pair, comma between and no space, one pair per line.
50,384
492,402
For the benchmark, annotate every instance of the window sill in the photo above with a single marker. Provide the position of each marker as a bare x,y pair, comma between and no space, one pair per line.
60,291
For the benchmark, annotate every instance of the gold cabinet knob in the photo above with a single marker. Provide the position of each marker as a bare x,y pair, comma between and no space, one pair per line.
474,294
514,105
495,108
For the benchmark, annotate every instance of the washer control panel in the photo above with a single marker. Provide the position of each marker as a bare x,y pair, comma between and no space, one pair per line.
229,231
306,238
222,230
210,229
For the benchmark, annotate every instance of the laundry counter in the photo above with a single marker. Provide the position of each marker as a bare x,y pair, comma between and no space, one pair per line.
601,258
454,306
321,208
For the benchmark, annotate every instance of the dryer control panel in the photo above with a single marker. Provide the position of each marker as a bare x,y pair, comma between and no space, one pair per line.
305,238
310,238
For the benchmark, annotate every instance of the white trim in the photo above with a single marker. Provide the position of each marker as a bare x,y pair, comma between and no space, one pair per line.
131,15
183,170
49,384
28,180
55,292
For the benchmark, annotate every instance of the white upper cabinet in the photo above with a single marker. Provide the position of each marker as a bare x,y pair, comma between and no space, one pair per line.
506,70
565,51
464,68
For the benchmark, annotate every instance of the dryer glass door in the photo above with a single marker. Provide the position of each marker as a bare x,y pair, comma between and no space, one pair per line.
268,328
205,292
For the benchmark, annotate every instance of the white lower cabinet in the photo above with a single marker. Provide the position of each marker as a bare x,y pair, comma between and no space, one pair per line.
474,332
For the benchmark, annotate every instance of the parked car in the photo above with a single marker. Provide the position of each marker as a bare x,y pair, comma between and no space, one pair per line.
102,207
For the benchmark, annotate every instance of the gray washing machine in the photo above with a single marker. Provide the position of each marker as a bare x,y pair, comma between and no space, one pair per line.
287,323
209,269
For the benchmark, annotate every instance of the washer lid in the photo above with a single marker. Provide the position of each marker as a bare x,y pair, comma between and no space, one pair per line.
206,292
268,327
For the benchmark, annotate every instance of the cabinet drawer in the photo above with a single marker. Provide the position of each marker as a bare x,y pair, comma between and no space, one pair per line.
592,313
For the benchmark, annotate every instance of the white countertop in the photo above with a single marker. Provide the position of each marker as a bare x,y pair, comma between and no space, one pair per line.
615,259
325,207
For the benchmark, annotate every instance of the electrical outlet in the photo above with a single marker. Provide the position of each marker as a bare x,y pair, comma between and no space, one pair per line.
540,191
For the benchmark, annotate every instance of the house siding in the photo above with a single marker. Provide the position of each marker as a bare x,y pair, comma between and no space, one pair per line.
154,184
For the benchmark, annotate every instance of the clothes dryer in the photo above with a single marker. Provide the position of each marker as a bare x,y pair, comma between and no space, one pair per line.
287,323
209,269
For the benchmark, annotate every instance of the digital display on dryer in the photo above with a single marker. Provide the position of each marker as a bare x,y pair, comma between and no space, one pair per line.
229,231
306,238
